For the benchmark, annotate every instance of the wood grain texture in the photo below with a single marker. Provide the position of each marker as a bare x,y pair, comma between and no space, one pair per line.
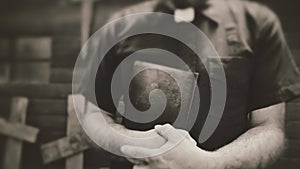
286,163
13,146
87,10
65,51
36,90
293,111
18,131
33,48
293,149
5,45
39,18
73,127
54,107
61,75
15,125
292,130
48,123
5,107
65,75
64,147
30,72
5,72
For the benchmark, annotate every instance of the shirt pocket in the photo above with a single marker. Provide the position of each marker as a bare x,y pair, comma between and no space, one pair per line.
237,63
237,71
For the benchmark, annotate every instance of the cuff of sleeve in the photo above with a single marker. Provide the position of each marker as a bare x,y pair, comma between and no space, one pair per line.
284,94
290,92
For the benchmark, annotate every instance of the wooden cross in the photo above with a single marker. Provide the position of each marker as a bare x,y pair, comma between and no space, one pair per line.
17,131
87,8
86,19
71,146
76,161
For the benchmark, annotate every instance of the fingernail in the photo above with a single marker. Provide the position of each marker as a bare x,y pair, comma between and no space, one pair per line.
123,149
157,126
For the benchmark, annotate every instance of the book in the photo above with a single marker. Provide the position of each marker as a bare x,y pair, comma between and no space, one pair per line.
177,85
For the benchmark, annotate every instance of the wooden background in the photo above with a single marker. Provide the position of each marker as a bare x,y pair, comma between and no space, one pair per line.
39,42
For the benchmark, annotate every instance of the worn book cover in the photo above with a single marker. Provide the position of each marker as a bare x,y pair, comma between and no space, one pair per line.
177,85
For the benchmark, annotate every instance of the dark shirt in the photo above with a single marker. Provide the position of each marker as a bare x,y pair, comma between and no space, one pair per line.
249,39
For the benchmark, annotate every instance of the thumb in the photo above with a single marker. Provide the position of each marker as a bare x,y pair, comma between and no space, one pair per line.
141,167
169,133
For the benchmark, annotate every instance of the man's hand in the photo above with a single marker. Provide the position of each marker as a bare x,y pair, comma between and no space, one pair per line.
179,152
107,134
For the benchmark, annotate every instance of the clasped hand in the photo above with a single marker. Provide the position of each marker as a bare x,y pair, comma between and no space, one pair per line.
180,151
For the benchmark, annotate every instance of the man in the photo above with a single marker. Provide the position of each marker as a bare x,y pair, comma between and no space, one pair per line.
261,77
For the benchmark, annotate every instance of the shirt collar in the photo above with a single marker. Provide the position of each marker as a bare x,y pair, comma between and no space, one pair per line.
211,11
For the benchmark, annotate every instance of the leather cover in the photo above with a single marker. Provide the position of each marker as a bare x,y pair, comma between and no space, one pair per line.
153,77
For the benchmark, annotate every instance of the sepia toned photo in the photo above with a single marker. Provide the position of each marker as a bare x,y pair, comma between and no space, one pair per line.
149,84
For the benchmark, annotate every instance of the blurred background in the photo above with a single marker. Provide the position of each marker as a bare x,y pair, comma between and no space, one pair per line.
39,43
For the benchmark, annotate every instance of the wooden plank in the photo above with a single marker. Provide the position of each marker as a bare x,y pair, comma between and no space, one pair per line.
61,75
49,136
33,48
24,19
65,51
31,72
286,163
73,127
293,149
36,90
48,122
62,18
4,72
54,107
64,75
87,9
13,147
293,111
5,107
31,156
292,129
31,159
64,147
18,131
5,48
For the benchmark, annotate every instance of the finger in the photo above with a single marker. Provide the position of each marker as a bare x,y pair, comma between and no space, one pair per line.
169,133
141,167
187,136
138,152
183,132
162,128
138,161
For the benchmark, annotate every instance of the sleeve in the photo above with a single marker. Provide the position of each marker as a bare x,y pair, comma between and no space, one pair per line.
101,93
275,77
95,84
